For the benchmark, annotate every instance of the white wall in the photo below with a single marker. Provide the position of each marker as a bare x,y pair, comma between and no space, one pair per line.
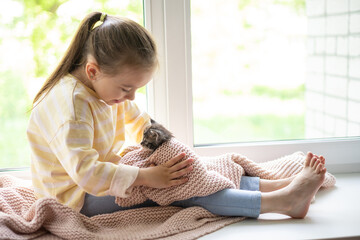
333,79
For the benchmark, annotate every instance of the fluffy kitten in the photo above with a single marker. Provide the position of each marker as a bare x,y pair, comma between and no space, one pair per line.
155,135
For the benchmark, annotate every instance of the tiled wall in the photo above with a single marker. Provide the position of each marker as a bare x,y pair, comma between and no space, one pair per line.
333,79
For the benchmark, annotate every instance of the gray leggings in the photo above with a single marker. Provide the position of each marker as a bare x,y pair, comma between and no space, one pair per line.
245,201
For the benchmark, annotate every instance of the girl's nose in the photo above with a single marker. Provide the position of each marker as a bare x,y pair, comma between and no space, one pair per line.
131,95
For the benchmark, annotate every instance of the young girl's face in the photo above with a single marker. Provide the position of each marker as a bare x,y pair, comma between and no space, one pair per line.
114,89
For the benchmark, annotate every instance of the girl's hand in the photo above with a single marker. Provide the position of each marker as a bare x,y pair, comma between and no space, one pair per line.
166,175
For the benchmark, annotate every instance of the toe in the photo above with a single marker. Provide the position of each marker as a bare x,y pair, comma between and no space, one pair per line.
316,163
308,159
318,167
313,161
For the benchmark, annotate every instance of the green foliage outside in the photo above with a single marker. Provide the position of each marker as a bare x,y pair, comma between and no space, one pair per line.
38,31
221,129
283,94
297,5
260,90
248,128
14,151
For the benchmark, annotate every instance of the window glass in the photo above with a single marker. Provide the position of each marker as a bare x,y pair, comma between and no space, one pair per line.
273,70
33,37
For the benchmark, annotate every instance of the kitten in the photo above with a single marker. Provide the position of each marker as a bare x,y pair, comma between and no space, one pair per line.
155,135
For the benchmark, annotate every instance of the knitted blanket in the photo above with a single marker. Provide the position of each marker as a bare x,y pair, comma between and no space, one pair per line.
24,217
209,174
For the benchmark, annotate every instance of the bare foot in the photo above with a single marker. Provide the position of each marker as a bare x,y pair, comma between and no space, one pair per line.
305,185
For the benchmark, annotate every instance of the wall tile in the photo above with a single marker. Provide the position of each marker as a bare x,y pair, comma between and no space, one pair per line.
337,6
354,67
315,7
355,23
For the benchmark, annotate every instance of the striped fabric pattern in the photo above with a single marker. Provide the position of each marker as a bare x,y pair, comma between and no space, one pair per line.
75,141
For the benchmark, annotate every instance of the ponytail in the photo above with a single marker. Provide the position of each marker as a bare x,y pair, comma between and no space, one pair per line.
73,56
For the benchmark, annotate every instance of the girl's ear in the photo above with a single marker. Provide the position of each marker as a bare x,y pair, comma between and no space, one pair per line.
92,70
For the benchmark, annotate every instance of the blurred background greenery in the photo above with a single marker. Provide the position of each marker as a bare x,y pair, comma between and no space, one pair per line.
33,36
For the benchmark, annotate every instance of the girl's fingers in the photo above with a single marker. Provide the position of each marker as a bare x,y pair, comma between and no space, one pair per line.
182,172
174,160
181,165
178,181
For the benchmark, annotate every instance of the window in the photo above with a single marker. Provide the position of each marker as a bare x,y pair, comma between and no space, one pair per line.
265,70
34,36
170,96
173,91
249,70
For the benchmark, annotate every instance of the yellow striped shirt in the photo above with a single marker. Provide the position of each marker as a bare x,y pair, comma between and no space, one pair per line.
75,141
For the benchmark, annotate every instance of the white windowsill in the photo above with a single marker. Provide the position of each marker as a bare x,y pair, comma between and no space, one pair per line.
23,174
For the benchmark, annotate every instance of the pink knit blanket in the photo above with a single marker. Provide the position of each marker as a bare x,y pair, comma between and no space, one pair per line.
24,217
209,175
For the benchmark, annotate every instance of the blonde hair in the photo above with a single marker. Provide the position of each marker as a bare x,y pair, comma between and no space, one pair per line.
116,42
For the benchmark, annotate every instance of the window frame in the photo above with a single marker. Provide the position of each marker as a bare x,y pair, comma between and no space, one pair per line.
170,96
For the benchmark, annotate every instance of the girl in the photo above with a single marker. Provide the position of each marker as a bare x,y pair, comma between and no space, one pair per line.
80,117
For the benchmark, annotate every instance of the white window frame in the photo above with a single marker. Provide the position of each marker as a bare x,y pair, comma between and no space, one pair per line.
170,96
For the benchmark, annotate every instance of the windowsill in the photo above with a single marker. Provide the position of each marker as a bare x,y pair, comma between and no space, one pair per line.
334,215
23,174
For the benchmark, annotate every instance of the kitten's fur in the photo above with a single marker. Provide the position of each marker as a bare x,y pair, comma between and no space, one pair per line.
155,135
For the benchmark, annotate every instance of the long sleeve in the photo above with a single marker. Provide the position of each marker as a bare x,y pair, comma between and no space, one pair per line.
72,145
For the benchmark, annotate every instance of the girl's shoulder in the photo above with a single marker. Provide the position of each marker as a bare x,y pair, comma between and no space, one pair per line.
67,101
69,97
75,90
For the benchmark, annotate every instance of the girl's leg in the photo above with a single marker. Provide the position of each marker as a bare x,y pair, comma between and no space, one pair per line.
250,183
292,200
273,185
94,205
230,202
227,202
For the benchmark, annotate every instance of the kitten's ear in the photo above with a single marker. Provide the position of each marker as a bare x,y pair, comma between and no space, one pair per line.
157,135
154,133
